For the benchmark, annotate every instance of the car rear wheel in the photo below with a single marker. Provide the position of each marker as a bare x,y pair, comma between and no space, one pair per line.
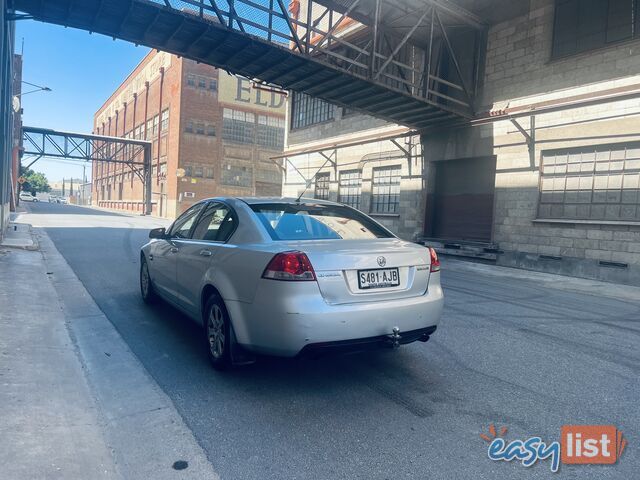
149,295
218,333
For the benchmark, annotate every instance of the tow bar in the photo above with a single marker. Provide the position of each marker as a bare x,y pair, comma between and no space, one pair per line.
394,338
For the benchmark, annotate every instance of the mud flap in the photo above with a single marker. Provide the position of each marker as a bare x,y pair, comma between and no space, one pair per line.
239,355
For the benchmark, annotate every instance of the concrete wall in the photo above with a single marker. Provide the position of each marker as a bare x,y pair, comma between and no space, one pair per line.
6,114
520,71
408,222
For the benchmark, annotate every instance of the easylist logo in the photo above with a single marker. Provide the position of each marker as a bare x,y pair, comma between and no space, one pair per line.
579,444
582,444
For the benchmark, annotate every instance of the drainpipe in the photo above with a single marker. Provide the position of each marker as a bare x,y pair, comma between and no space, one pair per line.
109,151
135,104
116,167
124,132
159,126
147,175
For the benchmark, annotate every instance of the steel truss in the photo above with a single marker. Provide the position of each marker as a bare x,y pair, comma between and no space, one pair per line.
406,53
136,154
412,62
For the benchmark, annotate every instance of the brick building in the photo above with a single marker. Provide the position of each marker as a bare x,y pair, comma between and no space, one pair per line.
548,179
212,133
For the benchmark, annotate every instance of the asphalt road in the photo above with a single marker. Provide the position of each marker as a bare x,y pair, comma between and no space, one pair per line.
511,350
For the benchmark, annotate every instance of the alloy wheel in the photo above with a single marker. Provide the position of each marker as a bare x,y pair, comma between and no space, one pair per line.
215,331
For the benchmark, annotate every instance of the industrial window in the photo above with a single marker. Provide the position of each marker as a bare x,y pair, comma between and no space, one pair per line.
202,82
156,123
385,190
188,171
582,25
189,127
209,172
200,128
270,132
592,183
322,186
198,172
268,175
307,110
237,175
164,126
350,188
149,130
211,130
191,80
238,126
213,84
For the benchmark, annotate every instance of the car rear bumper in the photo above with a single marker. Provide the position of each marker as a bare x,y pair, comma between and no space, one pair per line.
370,343
285,318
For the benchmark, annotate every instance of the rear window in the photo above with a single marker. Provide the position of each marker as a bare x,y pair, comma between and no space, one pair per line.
285,221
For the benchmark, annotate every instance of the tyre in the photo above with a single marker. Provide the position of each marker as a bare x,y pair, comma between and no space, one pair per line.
149,295
217,333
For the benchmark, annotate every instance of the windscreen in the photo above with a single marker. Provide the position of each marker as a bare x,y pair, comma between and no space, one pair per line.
304,221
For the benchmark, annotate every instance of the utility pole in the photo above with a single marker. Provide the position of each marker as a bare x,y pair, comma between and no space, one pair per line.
63,187
84,183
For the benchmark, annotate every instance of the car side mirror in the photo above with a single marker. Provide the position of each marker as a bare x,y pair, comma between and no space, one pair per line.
158,233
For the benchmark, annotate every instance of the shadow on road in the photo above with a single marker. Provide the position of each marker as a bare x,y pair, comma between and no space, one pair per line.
61,209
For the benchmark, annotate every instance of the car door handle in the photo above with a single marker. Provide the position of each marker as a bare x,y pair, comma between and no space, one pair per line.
174,250
206,253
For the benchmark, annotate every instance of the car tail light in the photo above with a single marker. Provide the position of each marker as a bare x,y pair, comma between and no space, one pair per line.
290,266
435,263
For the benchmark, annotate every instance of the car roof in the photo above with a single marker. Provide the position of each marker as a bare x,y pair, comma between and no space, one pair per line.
266,200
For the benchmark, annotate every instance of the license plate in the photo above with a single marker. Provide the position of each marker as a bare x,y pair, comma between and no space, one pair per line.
378,278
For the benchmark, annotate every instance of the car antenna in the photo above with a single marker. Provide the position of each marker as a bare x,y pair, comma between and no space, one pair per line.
308,184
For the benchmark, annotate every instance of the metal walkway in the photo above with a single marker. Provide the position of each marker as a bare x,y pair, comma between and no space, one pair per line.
134,154
413,62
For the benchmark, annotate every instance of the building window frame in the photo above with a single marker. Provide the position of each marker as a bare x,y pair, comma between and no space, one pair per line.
307,111
385,189
601,179
350,188
164,121
585,37
322,187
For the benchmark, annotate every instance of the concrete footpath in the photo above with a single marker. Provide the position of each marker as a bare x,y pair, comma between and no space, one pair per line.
75,403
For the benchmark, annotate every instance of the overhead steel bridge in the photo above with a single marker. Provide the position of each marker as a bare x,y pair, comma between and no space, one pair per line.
136,154
413,62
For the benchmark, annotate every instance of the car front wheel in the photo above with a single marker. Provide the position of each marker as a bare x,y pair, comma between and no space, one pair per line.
217,332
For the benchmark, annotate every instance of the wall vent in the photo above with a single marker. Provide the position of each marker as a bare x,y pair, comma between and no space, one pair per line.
549,257
613,264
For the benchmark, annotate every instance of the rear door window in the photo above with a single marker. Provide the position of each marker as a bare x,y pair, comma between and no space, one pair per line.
216,223
307,221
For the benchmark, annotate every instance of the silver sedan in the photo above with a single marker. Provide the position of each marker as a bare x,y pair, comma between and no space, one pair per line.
289,277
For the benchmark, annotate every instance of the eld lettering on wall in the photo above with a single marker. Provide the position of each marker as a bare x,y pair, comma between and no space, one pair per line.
247,94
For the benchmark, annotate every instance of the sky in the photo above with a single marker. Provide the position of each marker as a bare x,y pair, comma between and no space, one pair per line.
81,69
